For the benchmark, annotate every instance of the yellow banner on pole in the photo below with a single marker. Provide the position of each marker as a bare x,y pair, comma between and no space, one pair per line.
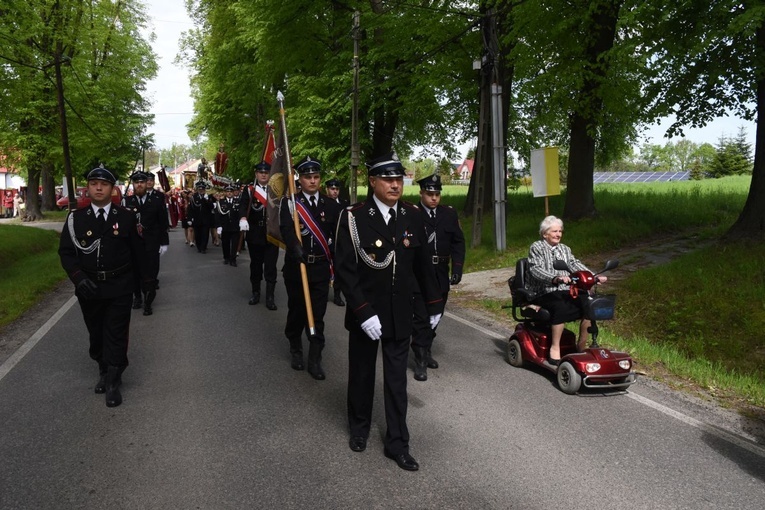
545,177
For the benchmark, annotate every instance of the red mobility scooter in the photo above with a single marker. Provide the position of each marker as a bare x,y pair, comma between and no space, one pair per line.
596,367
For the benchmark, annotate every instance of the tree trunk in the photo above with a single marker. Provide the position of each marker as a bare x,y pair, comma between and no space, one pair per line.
751,222
48,183
33,185
601,29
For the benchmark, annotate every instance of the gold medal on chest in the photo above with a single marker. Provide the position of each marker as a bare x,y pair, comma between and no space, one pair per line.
378,243
406,243
116,232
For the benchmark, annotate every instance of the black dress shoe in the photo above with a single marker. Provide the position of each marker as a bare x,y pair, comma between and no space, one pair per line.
553,362
147,310
113,397
358,443
255,299
233,263
137,303
339,301
404,460
225,262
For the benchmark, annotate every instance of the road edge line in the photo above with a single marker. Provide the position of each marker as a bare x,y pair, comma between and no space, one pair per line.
29,344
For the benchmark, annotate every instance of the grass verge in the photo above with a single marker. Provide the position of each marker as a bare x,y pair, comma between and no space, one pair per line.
29,267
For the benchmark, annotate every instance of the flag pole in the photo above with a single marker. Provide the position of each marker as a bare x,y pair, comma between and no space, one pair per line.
295,220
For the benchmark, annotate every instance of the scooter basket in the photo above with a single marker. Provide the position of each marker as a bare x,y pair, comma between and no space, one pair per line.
601,307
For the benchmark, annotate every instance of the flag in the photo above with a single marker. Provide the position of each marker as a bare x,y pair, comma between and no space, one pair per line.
545,178
274,155
270,146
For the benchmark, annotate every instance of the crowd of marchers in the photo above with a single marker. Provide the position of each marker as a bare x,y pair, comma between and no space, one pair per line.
389,262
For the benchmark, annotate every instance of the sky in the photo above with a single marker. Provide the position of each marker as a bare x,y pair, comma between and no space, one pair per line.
173,106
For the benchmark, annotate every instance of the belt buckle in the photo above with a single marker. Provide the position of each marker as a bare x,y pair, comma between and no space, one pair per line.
311,259
435,259
101,276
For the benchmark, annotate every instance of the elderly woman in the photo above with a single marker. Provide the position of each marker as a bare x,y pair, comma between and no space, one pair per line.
552,287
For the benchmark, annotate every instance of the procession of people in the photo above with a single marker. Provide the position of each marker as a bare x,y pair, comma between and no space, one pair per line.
394,262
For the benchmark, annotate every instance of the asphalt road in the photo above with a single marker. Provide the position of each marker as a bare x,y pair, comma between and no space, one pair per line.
213,417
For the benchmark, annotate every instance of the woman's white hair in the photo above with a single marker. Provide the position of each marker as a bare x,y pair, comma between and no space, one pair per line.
548,223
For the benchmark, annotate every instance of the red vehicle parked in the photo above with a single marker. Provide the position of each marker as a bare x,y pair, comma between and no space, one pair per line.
596,367
81,194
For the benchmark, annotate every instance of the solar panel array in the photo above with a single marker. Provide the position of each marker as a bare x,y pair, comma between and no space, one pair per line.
603,177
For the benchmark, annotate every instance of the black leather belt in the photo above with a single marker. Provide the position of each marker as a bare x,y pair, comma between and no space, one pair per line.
311,259
102,276
440,260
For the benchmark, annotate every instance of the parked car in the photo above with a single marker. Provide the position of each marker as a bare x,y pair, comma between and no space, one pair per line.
81,195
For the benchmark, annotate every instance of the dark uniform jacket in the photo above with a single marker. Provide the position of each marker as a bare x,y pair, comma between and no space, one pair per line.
446,242
152,219
325,216
257,216
109,265
227,214
387,292
201,210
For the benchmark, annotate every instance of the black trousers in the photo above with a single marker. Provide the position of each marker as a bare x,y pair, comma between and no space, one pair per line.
263,259
297,320
230,242
201,236
422,334
362,363
108,323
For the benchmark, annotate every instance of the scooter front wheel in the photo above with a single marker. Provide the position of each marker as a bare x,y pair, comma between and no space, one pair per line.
514,354
569,380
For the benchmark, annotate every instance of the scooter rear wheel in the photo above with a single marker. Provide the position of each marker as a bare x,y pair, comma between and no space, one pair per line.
514,354
569,380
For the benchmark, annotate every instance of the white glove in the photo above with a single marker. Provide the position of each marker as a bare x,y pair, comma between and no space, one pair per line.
434,320
162,249
219,230
372,327
243,225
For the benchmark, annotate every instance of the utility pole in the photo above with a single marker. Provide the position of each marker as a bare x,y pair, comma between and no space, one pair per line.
489,169
355,149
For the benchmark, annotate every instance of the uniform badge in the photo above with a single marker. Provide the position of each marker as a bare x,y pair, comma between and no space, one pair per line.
116,232
82,243
372,256
378,243
406,243
88,233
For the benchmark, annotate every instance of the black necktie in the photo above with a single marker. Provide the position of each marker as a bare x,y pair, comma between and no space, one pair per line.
102,215
313,202
433,213
392,222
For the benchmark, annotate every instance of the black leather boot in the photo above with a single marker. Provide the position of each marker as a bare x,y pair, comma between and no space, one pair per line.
314,361
255,299
420,364
147,301
113,382
101,384
429,359
270,303
296,351
137,302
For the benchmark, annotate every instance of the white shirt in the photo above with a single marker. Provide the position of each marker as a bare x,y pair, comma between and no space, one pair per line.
106,209
384,209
